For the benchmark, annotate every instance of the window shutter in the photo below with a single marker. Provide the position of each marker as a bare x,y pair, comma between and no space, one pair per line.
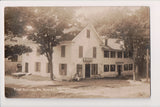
94,52
80,51
63,51
65,69
60,72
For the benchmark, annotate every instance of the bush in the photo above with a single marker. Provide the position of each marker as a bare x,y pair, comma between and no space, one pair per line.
10,92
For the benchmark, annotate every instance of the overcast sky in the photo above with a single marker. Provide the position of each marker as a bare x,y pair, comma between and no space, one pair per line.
87,11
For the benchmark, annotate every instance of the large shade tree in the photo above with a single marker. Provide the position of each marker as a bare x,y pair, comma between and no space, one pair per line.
16,19
130,25
49,25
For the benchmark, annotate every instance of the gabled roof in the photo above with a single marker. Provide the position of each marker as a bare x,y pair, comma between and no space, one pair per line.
94,30
72,33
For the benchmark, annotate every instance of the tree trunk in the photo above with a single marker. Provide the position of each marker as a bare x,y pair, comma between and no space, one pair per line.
51,68
136,77
134,73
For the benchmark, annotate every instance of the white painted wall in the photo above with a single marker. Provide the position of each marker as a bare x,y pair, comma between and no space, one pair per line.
72,57
31,59
57,59
110,61
88,44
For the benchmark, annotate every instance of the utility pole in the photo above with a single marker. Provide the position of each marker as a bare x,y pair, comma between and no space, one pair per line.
135,65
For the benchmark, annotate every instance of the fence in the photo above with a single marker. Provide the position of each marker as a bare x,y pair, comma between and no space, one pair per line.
11,67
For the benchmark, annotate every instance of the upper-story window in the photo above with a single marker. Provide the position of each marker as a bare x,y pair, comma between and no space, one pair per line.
88,33
106,42
125,54
113,54
38,52
106,54
94,52
80,51
63,51
119,54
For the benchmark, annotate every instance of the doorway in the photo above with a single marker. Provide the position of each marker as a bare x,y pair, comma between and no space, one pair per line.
119,69
87,70
26,67
79,70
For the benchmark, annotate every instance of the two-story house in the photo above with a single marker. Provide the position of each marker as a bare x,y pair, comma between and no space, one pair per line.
85,54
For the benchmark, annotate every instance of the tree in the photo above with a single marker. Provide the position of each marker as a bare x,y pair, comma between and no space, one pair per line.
12,51
131,26
16,19
48,26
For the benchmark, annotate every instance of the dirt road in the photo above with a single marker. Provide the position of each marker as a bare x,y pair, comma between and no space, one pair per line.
90,88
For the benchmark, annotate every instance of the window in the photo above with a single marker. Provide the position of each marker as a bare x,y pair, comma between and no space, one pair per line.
63,69
79,70
125,54
47,68
125,67
38,52
80,51
106,54
112,68
112,54
88,33
94,52
106,68
130,66
130,54
26,67
94,69
38,67
63,51
119,54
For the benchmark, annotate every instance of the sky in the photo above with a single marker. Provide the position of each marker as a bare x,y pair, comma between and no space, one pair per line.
87,11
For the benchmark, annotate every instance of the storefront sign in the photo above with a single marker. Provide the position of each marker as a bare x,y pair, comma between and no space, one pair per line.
87,59
119,62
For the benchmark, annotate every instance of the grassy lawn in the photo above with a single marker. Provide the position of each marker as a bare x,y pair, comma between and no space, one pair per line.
36,87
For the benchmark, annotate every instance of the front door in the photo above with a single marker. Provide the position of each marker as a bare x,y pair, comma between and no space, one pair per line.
26,67
87,70
119,69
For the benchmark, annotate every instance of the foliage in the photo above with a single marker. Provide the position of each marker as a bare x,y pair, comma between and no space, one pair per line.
16,19
131,26
48,29
11,51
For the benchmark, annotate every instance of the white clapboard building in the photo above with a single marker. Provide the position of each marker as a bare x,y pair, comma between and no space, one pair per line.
86,54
